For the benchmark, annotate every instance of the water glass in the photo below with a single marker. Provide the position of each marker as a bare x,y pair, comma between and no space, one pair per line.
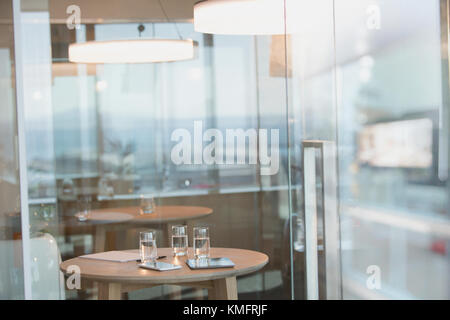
147,204
179,240
147,246
84,208
201,243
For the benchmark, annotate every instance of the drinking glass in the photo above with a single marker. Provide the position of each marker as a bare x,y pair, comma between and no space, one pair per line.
68,187
105,187
147,204
147,246
84,208
179,240
201,242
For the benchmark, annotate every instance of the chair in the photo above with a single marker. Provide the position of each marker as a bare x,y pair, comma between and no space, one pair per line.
47,280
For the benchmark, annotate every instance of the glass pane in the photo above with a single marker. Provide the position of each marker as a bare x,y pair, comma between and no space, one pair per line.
101,139
312,116
11,259
375,85
392,89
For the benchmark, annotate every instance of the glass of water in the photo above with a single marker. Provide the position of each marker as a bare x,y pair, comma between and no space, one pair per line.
201,242
147,204
179,240
147,246
84,208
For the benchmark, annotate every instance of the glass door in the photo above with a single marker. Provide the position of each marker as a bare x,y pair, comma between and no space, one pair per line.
14,245
393,115
354,96
102,136
368,113
313,138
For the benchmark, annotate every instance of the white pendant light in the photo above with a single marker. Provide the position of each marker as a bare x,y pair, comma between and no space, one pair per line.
243,17
134,51
131,51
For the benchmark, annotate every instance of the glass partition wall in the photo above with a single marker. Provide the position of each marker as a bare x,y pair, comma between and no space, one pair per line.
368,108
393,122
324,146
102,136
11,244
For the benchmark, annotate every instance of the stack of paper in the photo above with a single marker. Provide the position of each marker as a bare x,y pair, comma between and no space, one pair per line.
117,256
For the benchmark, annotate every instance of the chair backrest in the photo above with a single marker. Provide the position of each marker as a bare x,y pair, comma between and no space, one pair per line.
47,279
11,271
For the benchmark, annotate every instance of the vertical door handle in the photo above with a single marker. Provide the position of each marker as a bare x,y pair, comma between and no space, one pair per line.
331,241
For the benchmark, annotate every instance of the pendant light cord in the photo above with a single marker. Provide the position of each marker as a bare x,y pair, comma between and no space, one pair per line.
141,29
167,18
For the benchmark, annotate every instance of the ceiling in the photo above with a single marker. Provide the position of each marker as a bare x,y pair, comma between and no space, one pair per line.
399,20
322,26
116,11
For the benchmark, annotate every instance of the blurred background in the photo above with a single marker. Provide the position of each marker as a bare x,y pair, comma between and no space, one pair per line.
370,76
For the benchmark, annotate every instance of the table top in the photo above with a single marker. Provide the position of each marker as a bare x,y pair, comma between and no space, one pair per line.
246,261
162,214
74,225
113,215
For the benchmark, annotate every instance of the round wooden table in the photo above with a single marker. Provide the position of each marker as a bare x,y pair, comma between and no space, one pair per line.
116,218
161,215
115,278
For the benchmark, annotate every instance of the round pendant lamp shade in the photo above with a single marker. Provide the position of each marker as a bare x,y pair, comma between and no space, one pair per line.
132,51
243,17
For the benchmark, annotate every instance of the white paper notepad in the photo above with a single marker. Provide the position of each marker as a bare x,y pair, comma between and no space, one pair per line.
116,256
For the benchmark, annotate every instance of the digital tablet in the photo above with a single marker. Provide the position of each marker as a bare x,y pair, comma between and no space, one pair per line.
210,263
159,266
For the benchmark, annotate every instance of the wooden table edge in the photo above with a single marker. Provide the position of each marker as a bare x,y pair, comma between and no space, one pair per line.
166,220
161,281
136,220
223,273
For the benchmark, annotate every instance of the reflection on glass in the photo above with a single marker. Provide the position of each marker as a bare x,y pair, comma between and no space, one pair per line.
382,95
68,187
401,144
105,131
11,244
147,202
84,208
108,128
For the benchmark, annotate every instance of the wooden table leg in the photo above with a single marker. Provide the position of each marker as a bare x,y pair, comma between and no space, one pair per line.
110,239
198,294
109,291
175,292
99,239
223,289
